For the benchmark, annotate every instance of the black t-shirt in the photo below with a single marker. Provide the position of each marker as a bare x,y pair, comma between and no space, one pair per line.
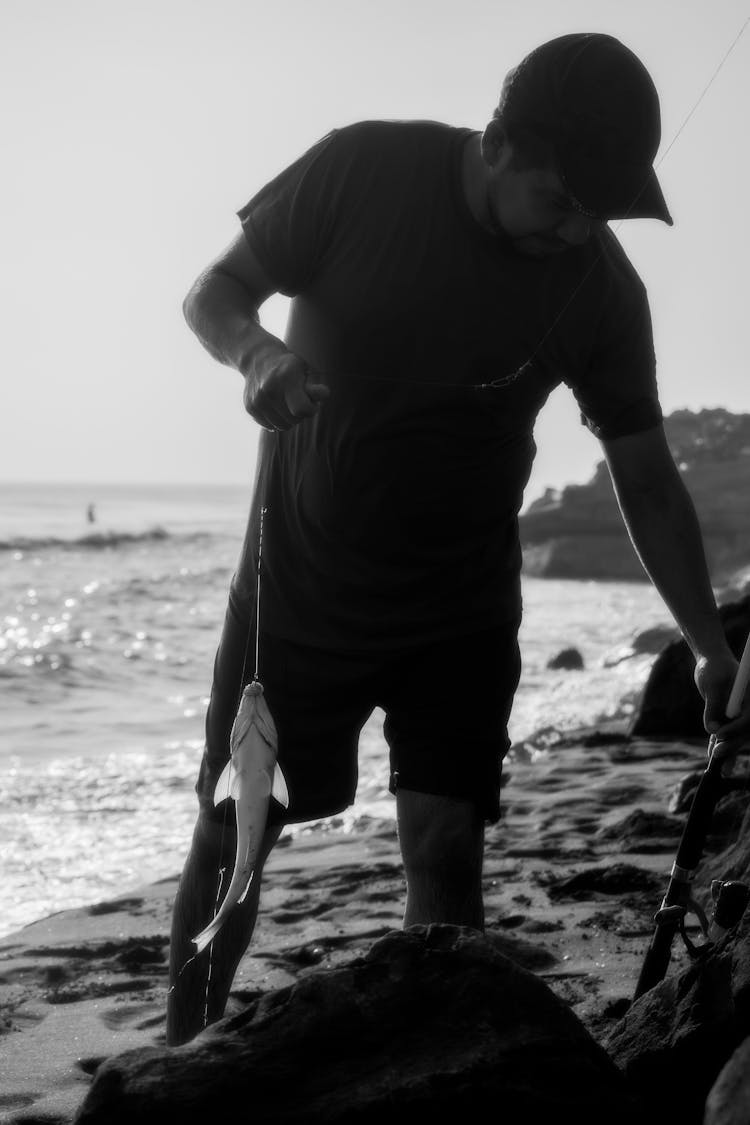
392,515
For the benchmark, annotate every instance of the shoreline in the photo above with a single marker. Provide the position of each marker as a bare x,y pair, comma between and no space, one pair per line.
573,873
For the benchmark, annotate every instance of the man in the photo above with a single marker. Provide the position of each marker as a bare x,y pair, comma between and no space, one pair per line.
443,283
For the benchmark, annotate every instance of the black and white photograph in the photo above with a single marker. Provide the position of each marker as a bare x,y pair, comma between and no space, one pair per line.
374,562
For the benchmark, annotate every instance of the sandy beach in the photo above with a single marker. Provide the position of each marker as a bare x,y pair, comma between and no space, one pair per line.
573,873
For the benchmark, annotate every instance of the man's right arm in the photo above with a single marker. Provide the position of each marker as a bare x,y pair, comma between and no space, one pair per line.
222,310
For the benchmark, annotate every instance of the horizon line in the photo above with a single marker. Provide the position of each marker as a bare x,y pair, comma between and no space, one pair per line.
47,483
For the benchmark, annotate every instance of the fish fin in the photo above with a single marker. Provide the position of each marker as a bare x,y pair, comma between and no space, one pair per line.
263,720
278,788
268,734
240,729
227,786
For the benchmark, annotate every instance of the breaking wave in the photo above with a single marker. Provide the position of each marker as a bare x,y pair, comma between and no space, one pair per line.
97,540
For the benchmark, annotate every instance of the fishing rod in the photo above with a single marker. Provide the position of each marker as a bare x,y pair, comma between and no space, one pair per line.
730,898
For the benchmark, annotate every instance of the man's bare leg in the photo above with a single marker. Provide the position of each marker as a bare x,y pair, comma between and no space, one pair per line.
442,845
189,1006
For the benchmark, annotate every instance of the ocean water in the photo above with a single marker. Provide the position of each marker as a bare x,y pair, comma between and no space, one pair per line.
107,637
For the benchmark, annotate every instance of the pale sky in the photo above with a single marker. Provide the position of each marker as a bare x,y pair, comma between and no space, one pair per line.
132,130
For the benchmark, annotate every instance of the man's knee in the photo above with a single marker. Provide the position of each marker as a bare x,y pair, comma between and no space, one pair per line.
212,837
215,841
439,832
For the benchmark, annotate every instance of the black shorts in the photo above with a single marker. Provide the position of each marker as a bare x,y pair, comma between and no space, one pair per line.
446,707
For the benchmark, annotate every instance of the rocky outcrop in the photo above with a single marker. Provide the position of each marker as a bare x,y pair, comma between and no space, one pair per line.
578,532
676,1045
676,1039
433,1025
670,705
438,1024
729,1100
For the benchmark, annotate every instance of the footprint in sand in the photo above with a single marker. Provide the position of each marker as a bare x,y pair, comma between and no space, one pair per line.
380,896
18,1101
133,1017
95,989
19,1018
288,916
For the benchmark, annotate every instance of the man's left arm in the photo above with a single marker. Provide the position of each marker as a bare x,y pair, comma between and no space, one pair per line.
663,526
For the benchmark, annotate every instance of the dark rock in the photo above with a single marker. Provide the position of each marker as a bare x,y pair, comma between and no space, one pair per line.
616,1008
511,921
89,1064
589,554
433,1025
729,812
141,953
734,861
578,532
729,1100
670,705
543,925
681,796
642,831
311,954
729,808
568,658
653,640
676,1038
616,879
648,641
601,737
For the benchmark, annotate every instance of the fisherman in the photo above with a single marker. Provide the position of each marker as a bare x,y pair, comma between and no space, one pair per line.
443,282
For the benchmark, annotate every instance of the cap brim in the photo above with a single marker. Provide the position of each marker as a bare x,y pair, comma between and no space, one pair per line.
612,191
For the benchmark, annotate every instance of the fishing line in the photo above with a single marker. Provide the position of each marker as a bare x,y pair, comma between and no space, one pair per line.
505,380
599,256
706,89
222,870
257,600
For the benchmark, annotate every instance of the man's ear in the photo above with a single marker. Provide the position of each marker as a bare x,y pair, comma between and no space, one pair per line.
494,140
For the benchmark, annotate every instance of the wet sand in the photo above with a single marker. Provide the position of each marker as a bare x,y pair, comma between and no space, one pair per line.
573,873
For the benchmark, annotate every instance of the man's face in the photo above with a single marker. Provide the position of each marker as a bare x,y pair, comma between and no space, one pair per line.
531,208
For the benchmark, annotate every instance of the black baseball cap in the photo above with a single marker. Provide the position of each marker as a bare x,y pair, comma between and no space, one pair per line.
595,102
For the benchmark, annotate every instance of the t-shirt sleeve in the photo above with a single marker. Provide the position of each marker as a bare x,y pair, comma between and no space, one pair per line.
289,223
618,392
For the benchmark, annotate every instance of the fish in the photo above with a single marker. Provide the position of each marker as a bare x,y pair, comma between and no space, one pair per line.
251,777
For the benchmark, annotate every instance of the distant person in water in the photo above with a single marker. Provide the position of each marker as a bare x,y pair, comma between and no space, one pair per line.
443,281
91,513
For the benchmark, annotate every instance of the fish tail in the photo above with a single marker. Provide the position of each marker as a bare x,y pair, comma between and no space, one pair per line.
232,898
205,937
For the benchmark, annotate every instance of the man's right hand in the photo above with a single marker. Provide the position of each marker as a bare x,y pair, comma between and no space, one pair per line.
281,391
222,309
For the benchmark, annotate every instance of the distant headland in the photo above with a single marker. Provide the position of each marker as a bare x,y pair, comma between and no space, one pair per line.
577,532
